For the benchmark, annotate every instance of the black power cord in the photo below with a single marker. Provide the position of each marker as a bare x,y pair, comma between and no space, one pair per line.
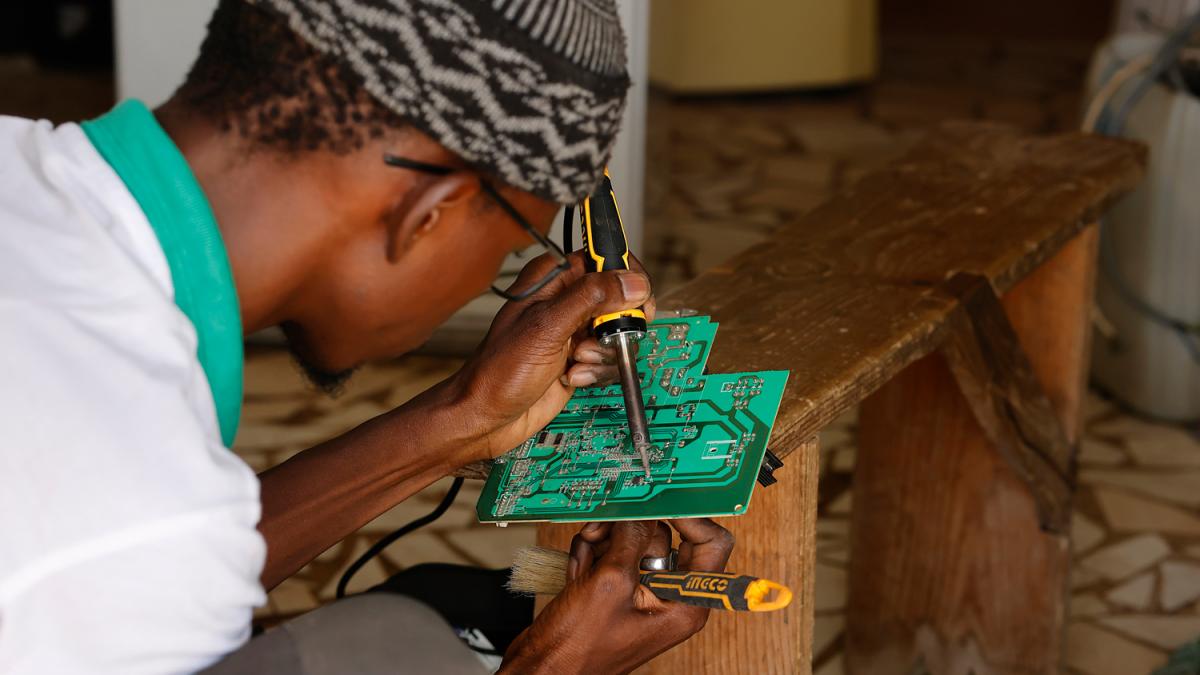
383,543
567,225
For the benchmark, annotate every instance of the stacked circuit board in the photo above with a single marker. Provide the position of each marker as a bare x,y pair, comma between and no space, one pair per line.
709,434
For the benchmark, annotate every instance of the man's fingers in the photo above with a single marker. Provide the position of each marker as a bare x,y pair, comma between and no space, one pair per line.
659,546
595,365
589,350
592,295
646,602
705,546
660,542
650,305
628,543
596,532
573,297
583,375
581,557
592,541
537,269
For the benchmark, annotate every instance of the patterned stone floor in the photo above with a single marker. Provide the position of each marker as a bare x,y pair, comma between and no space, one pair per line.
722,174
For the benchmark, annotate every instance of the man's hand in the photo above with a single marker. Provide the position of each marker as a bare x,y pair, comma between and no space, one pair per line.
538,351
605,621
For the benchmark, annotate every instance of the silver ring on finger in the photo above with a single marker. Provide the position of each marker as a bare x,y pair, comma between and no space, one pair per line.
660,564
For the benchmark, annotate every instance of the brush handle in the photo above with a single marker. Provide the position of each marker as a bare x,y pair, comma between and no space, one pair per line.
718,591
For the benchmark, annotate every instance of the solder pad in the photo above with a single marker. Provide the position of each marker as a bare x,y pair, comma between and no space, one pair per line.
709,434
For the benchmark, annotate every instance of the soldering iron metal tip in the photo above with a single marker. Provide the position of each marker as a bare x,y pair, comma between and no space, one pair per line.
644,451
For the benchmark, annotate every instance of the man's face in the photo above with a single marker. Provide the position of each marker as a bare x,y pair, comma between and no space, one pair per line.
387,286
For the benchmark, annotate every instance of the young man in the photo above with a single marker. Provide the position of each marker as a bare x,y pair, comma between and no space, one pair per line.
353,171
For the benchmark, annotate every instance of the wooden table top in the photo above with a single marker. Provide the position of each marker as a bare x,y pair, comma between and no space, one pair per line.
852,292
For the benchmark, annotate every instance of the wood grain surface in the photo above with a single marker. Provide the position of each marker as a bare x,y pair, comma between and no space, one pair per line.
999,385
950,570
847,296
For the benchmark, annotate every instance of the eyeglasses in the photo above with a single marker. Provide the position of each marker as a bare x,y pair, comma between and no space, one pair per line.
555,251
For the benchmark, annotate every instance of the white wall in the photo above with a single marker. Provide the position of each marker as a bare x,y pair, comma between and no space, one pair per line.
157,40
628,166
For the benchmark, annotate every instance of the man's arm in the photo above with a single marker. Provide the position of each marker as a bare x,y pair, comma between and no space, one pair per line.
516,382
319,496
327,492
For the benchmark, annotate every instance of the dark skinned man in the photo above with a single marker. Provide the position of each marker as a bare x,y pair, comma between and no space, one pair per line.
353,171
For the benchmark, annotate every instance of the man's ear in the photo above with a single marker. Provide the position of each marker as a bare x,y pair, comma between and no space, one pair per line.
428,203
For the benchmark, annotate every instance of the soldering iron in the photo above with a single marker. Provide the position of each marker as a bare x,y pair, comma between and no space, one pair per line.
606,247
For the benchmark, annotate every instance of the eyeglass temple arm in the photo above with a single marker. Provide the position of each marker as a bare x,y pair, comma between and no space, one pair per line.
509,209
415,165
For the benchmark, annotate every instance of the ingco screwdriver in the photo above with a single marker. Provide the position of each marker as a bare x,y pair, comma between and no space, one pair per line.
607,248
719,591
543,570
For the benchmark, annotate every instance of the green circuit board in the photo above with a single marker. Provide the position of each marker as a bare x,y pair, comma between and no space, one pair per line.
709,434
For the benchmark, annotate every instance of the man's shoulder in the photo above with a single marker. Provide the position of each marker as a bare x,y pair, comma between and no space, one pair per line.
41,168
71,232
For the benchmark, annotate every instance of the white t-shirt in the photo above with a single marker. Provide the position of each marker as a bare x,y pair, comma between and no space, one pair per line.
127,529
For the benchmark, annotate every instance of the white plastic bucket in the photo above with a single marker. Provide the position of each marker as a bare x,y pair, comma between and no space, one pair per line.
1151,250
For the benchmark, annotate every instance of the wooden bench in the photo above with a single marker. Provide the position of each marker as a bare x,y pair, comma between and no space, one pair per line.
948,294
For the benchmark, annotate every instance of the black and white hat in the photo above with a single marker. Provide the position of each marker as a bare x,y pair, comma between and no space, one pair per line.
531,91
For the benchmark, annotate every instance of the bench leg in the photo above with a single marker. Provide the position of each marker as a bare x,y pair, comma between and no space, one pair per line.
775,539
950,572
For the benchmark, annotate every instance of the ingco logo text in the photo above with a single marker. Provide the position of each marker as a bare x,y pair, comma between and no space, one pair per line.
715,584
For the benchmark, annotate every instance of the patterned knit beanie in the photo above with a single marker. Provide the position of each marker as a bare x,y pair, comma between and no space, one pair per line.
530,91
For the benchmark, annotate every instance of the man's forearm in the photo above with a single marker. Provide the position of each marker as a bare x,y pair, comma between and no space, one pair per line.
316,498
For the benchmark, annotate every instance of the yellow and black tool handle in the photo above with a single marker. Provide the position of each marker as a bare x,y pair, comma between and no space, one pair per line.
718,591
607,248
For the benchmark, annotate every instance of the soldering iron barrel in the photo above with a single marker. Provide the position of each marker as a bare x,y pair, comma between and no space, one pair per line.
631,387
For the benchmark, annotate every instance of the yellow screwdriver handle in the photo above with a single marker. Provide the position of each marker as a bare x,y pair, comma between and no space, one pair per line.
719,591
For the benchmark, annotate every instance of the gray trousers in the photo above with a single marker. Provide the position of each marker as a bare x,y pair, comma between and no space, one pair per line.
364,634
